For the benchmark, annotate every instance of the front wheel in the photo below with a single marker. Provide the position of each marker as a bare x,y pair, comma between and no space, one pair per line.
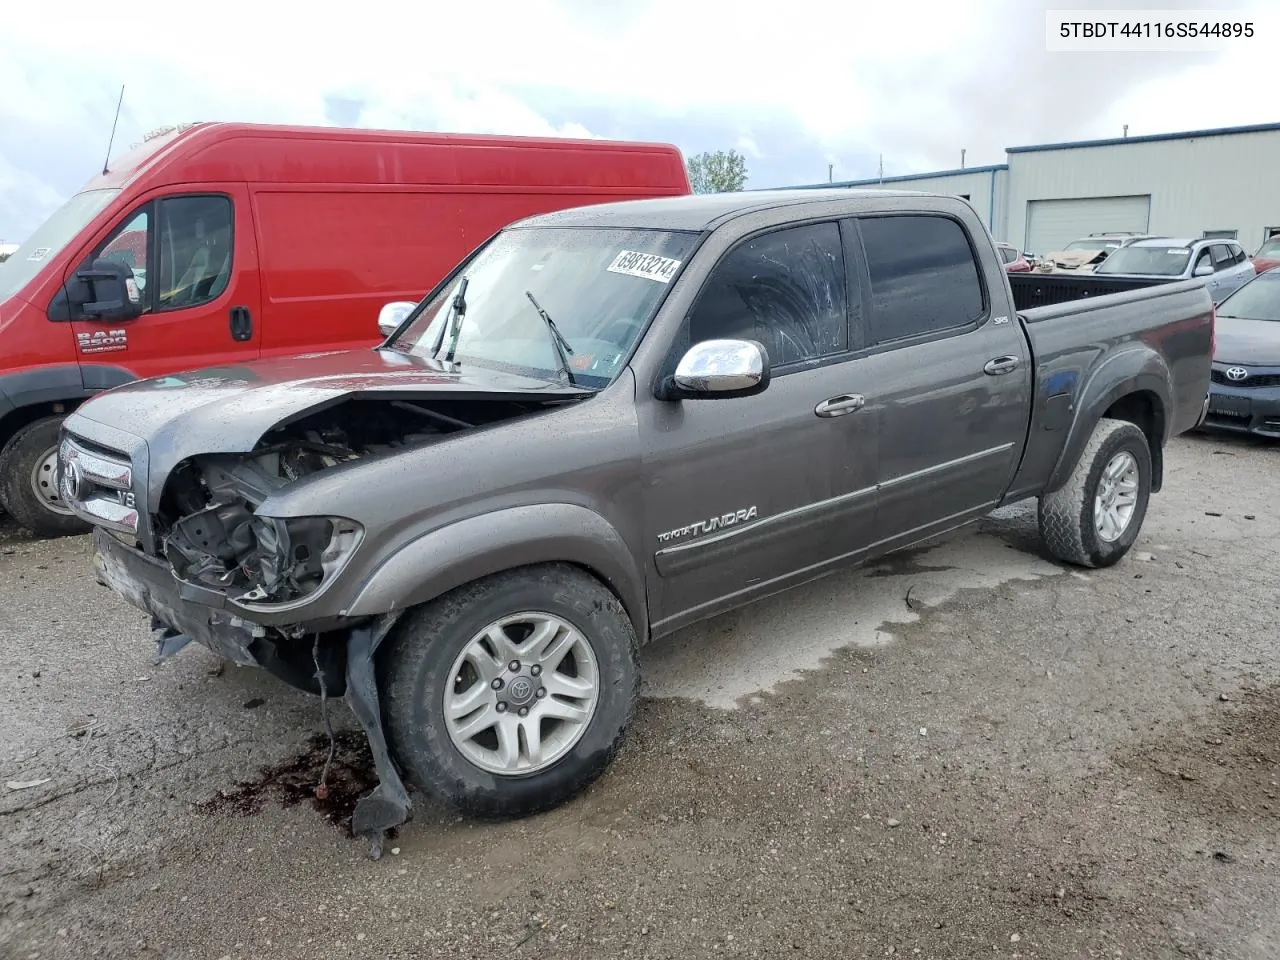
509,695
1094,518
28,481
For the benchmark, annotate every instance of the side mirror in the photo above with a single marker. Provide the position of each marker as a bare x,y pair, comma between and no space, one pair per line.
1204,270
719,370
109,291
392,315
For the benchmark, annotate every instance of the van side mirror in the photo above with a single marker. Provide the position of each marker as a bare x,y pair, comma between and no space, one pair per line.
106,291
1203,270
718,370
392,315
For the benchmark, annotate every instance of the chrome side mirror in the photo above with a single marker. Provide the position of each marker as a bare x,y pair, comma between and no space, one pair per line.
1204,270
392,315
719,370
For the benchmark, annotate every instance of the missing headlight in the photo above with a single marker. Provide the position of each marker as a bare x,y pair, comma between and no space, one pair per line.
258,559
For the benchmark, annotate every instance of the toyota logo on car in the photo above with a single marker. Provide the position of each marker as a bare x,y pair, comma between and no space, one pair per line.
1237,373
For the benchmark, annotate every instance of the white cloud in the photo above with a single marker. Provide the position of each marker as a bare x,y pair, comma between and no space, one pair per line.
917,83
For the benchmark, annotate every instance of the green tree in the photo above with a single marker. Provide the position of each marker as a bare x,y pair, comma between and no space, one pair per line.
3,257
724,171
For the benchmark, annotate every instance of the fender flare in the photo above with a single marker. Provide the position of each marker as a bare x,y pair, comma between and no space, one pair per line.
448,557
1136,370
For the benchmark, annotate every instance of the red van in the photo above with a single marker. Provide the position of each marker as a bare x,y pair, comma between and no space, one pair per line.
241,241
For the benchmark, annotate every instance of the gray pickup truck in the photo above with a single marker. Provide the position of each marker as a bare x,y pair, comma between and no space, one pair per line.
606,424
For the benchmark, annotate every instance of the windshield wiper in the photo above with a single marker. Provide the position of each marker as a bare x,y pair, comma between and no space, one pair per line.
562,348
457,310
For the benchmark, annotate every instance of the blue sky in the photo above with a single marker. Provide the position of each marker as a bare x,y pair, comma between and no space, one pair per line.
795,87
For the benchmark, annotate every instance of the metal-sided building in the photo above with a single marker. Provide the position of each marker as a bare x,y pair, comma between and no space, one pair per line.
1223,182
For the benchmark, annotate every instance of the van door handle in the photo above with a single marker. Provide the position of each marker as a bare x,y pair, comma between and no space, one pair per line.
839,406
1000,365
241,324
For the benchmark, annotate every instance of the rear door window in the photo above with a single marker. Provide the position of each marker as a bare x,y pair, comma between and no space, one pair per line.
787,289
924,276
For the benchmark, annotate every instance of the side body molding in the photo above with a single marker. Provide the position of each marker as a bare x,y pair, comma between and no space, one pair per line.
450,556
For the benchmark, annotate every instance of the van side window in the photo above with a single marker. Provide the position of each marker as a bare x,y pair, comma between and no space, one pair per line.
786,289
128,245
190,237
194,247
924,278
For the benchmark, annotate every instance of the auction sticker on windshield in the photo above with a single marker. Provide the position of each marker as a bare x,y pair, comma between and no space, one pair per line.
650,266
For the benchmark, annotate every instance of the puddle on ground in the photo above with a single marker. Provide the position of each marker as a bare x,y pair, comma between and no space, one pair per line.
759,646
294,781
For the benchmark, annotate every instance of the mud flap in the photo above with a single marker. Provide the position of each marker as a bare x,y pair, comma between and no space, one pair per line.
388,805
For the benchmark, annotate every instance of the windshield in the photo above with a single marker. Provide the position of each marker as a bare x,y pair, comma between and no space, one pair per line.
1257,300
1269,249
1093,244
1146,261
50,237
598,286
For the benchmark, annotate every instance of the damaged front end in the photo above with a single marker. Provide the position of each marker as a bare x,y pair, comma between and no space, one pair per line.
247,585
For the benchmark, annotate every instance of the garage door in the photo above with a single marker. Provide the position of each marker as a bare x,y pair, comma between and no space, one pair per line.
1052,224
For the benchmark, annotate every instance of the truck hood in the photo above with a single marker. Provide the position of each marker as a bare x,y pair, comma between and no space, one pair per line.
1246,342
227,409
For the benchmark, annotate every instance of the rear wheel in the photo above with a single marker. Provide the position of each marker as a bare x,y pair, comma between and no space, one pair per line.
511,694
29,484
1094,518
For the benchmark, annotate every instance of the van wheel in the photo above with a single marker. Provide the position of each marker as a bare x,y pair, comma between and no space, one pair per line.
29,484
511,694
1094,518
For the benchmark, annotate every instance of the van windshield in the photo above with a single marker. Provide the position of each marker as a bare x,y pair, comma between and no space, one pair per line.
50,237
599,286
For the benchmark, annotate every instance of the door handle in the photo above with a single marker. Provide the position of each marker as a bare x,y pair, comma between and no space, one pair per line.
241,324
1000,365
839,406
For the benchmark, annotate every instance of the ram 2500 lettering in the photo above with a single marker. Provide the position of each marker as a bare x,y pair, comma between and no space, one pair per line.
605,424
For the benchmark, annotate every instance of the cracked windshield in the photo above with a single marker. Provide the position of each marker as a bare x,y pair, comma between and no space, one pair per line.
552,303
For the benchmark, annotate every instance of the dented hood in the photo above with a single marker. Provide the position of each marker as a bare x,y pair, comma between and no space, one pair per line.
227,409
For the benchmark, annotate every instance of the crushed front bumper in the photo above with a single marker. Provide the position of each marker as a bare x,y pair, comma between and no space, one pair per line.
149,584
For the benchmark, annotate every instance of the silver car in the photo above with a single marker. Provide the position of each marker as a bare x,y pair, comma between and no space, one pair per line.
1223,263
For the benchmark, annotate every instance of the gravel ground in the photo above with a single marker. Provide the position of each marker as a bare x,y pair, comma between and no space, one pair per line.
965,752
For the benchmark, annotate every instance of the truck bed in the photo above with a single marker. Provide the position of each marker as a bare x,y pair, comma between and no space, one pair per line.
1155,340
1044,289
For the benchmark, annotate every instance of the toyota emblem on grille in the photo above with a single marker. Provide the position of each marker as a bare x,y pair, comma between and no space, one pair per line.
1237,373
77,485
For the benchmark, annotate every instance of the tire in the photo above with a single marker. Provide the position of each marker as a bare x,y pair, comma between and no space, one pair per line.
418,668
22,457
1068,515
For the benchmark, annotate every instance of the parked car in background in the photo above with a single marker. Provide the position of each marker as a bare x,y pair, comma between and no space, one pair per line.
1244,392
241,241
1083,255
1267,255
1014,259
506,505
1223,264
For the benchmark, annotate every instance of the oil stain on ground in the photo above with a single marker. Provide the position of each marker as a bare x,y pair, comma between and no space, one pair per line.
294,781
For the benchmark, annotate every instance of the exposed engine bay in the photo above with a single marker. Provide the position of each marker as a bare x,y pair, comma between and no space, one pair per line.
207,524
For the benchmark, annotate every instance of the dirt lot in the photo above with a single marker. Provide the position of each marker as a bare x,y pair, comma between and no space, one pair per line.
967,752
